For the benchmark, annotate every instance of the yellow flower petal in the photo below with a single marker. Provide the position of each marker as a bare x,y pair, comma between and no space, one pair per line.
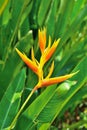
51,70
28,62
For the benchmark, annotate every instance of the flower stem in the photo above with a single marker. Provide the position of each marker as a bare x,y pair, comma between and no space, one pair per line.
22,107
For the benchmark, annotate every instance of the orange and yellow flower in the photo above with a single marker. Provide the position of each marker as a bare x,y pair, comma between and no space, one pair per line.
37,67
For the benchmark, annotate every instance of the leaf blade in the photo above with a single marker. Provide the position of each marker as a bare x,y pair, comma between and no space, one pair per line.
11,100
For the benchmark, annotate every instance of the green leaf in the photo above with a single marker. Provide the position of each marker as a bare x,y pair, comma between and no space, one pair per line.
42,12
63,17
33,17
3,5
49,108
14,63
12,27
75,100
77,7
29,117
51,16
72,29
10,102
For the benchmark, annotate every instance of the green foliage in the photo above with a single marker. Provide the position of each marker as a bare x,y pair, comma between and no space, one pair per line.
11,100
19,24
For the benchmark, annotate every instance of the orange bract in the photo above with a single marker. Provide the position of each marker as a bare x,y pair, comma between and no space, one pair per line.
42,39
28,62
55,80
51,50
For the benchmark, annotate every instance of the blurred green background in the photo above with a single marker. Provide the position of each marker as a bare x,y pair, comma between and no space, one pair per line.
56,107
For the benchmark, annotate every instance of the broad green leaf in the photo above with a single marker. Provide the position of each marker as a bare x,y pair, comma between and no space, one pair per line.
81,79
10,102
75,100
50,107
62,18
33,111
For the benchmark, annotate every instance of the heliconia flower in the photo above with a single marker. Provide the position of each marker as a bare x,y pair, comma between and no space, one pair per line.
37,67
42,39
31,64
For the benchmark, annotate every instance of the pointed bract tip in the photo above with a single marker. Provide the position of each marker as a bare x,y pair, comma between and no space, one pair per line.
16,49
57,42
72,74
50,71
18,52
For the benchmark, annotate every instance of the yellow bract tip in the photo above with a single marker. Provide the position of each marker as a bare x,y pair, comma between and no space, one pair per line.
51,70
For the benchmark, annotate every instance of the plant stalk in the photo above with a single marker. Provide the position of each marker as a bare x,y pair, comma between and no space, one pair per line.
22,107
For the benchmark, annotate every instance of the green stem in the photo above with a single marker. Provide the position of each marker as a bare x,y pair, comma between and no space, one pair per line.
22,107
